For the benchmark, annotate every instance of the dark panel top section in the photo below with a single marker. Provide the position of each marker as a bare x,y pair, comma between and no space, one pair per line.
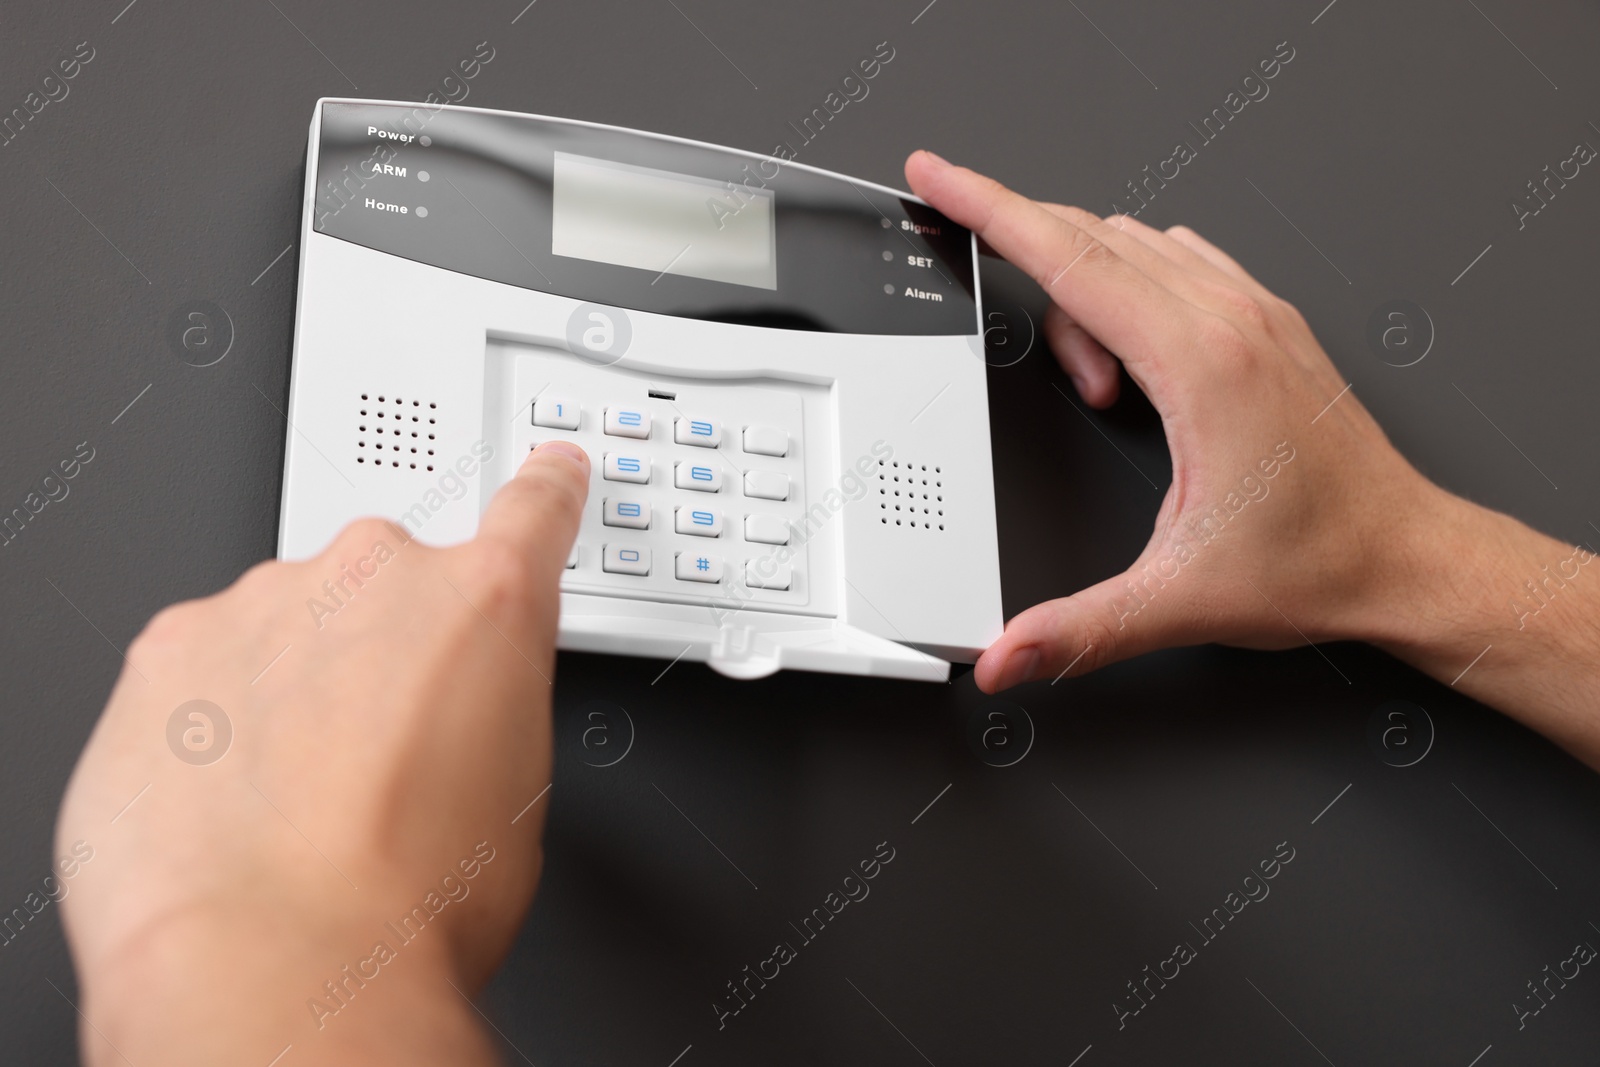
473,192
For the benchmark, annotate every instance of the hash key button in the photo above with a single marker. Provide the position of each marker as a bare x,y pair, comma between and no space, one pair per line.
702,478
699,567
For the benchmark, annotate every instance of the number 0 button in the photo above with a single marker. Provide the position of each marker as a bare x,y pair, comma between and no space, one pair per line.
620,560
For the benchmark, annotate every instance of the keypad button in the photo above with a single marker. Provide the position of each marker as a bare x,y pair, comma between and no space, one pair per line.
766,529
767,574
621,560
627,422
702,432
766,485
699,567
701,477
558,413
625,468
630,514
699,522
765,441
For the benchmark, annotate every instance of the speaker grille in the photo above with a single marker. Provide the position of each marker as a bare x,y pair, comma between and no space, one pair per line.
393,432
911,495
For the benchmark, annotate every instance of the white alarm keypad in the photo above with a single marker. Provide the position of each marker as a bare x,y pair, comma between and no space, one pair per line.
697,491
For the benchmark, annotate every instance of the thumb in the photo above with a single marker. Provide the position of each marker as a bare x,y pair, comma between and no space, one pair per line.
1117,619
536,513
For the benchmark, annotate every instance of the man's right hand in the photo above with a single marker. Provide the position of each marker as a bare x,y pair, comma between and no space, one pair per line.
1291,519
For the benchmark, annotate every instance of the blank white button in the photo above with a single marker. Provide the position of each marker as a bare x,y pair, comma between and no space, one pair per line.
699,522
628,422
767,574
767,485
630,514
767,529
695,567
701,477
620,468
702,432
765,441
618,560
558,413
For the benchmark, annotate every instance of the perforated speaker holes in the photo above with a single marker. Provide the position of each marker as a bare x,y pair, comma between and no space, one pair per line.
394,432
911,495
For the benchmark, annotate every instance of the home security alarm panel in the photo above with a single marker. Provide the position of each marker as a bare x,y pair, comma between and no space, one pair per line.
777,373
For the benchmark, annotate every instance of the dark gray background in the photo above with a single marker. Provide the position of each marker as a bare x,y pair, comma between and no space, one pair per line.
1407,924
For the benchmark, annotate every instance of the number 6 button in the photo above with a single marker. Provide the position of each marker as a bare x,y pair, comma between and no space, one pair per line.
699,477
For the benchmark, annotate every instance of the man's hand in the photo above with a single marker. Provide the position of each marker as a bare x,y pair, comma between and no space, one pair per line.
378,789
1290,518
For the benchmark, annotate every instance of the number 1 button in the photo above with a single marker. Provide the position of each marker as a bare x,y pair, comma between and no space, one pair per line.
555,412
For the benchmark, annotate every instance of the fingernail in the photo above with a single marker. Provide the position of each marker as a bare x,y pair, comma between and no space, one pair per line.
568,449
1019,667
943,162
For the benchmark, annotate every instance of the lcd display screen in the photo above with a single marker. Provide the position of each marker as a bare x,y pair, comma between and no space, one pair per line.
663,222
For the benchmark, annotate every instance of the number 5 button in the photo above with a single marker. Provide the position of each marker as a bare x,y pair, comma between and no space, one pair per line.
699,477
